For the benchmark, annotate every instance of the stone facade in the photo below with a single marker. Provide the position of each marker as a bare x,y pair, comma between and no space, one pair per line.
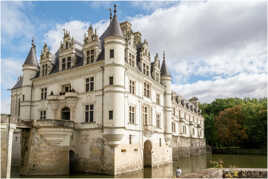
102,107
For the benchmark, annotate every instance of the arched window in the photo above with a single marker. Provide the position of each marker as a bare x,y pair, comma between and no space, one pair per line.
65,113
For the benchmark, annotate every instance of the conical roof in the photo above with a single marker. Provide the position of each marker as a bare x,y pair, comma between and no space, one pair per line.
114,29
31,58
164,71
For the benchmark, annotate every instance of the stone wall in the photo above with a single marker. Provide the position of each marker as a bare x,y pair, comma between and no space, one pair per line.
93,155
45,148
4,149
186,147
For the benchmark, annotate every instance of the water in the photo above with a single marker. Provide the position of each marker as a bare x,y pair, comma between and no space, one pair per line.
188,165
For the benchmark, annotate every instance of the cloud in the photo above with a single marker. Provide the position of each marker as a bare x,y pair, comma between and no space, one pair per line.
241,85
14,23
11,69
208,38
77,30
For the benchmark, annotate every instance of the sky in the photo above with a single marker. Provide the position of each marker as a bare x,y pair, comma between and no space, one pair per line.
214,48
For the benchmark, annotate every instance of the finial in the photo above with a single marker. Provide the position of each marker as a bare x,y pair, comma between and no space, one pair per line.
110,9
115,9
33,45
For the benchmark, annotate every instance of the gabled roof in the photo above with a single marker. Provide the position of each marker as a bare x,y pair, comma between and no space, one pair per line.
164,71
31,58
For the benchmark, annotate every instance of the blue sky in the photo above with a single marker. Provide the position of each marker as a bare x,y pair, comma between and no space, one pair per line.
214,49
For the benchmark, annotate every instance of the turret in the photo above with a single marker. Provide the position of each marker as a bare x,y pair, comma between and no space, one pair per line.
30,66
166,81
30,69
114,73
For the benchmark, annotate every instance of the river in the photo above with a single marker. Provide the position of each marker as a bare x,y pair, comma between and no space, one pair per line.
187,165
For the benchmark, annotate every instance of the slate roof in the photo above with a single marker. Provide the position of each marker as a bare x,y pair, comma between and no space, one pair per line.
18,84
164,71
31,58
114,29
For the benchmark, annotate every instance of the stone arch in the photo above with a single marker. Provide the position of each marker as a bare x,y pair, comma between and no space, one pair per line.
72,160
147,153
66,113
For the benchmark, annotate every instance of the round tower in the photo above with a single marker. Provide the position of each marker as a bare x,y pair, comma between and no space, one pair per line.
30,69
114,74
166,81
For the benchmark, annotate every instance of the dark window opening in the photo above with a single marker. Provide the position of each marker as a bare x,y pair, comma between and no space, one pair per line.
65,113
111,53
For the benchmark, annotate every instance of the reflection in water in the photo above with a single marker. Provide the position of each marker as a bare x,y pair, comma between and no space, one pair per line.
187,165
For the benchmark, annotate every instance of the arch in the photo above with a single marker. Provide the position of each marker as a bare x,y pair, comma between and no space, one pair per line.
71,161
147,154
65,113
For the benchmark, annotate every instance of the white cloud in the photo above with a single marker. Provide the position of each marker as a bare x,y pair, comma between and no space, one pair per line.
241,85
208,38
11,69
14,23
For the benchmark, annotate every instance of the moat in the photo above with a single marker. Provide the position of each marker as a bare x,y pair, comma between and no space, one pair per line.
188,165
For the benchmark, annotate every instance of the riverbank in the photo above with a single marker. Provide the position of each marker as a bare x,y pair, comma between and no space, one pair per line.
238,150
228,173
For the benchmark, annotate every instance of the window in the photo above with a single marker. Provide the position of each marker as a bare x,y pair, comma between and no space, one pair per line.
145,115
43,93
66,45
69,62
89,113
147,89
111,80
87,84
144,72
130,139
147,70
111,53
193,132
42,115
90,84
23,97
92,52
132,114
111,115
160,142
66,88
158,121
173,127
44,71
88,57
63,64
157,98
184,130
132,86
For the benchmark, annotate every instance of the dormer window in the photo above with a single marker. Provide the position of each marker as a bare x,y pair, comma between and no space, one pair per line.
44,69
69,62
92,52
63,64
111,53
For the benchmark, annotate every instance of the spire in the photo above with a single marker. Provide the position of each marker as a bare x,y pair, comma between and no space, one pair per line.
114,28
111,16
114,9
31,58
164,71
